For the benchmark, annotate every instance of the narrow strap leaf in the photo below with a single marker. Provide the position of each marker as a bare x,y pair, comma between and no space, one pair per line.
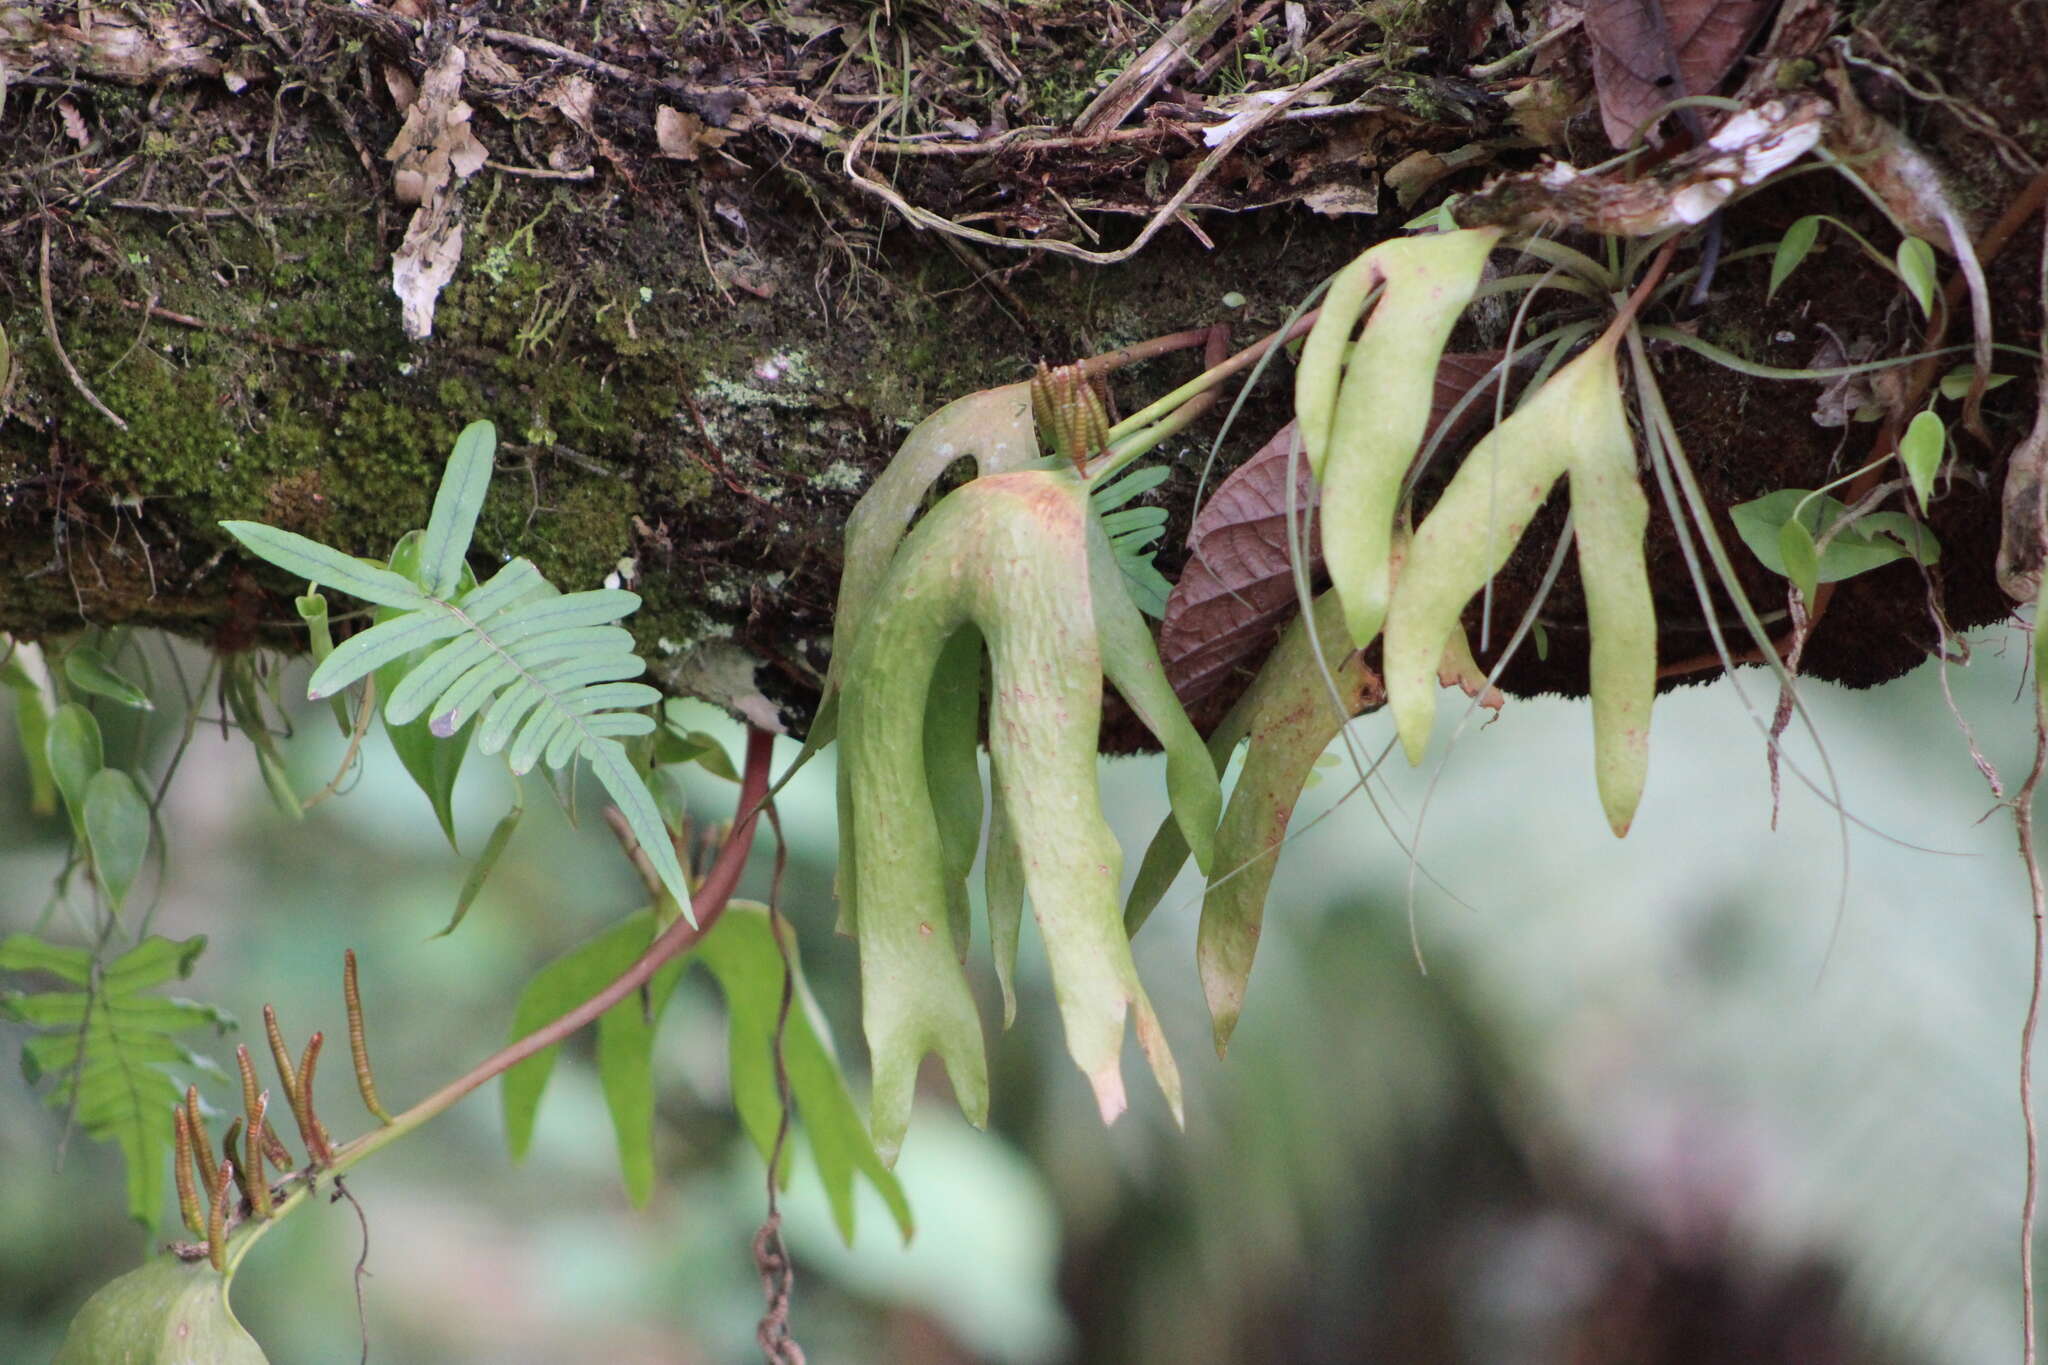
456,504
628,791
368,650
324,564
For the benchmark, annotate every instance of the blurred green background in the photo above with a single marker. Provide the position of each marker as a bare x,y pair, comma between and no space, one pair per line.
1637,1109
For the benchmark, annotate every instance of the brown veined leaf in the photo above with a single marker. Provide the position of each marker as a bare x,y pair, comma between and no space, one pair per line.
1237,589
1647,53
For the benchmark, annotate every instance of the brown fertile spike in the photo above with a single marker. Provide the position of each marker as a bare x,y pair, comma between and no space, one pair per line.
248,1070
316,1136
231,1146
181,1171
281,1058
274,1148
272,1145
202,1154
258,1185
358,1046
217,1220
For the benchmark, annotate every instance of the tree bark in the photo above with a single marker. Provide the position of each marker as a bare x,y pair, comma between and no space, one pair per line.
701,326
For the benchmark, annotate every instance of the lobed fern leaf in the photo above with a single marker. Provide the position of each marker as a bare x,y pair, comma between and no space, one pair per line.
108,1044
546,675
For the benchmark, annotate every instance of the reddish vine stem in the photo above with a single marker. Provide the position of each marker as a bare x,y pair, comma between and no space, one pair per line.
2023,824
709,903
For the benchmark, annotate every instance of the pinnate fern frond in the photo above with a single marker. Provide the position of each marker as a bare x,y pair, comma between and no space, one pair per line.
546,675
107,1043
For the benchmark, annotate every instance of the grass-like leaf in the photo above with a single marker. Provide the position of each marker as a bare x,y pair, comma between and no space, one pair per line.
107,1046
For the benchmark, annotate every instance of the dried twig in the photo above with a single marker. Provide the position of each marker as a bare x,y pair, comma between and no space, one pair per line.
925,218
1151,68
57,342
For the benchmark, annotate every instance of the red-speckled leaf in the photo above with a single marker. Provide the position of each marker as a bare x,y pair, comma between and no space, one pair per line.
1237,590
1647,53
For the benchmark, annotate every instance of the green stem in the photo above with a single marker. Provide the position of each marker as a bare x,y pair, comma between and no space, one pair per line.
1203,382
709,903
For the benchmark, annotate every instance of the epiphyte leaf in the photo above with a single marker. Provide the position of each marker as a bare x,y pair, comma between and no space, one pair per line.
1958,382
1793,248
86,669
1920,450
1871,541
1237,588
245,705
167,1312
1801,560
433,762
312,609
24,673
116,831
107,1049
501,835
1291,719
74,750
742,956
1009,553
1916,271
676,742
1573,424
530,664
1130,662
1362,439
741,953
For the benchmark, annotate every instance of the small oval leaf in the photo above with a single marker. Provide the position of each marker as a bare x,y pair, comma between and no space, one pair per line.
75,753
116,831
1916,271
1802,561
1920,450
1792,249
86,669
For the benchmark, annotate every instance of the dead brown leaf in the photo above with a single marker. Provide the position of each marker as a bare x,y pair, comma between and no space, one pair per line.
1647,53
684,136
434,152
74,122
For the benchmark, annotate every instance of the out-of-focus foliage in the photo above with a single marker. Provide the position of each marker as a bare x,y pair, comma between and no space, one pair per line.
1626,1104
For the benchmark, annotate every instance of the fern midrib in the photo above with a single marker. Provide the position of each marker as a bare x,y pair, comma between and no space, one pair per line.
585,737
116,1042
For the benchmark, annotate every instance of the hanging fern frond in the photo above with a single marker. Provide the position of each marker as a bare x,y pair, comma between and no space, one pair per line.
545,674
107,1045
1133,532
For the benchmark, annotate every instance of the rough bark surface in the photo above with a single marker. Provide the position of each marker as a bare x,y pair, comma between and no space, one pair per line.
700,327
